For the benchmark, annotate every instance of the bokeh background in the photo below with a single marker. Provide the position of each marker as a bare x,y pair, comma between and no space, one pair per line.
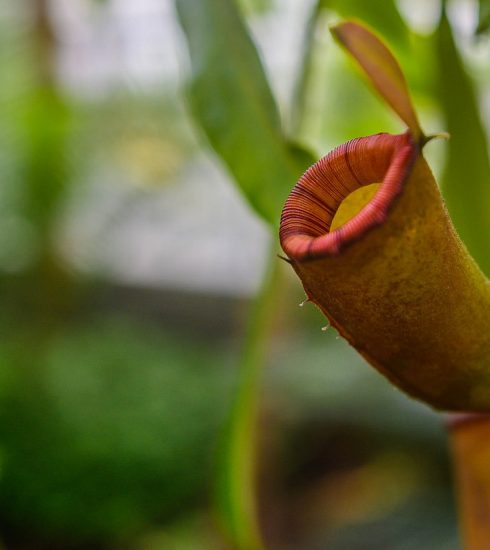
129,262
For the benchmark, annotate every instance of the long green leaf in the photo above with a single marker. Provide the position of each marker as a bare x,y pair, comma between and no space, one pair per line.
232,101
466,179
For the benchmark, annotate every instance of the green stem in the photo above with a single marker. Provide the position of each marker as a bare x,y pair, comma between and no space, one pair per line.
304,80
237,500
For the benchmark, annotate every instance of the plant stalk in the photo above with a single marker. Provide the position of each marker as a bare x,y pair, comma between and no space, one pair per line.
236,487
470,443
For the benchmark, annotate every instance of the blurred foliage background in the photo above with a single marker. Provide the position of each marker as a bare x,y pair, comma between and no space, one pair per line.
130,258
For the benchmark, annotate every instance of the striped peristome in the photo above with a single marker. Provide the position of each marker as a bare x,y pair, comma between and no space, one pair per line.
312,204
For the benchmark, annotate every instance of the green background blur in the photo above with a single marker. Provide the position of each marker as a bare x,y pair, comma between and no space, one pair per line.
128,265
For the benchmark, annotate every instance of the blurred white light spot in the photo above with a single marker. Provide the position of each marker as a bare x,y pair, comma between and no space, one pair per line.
422,16
463,15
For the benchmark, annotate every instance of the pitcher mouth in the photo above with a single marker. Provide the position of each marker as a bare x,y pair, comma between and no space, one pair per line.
305,230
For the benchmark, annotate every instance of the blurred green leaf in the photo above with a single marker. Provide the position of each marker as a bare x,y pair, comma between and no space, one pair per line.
45,167
466,178
483,17
232,101
256,7
382,15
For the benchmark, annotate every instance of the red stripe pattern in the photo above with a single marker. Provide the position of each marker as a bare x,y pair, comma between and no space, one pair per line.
311,206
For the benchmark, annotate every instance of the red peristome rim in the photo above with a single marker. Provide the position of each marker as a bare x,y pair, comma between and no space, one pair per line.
307,215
